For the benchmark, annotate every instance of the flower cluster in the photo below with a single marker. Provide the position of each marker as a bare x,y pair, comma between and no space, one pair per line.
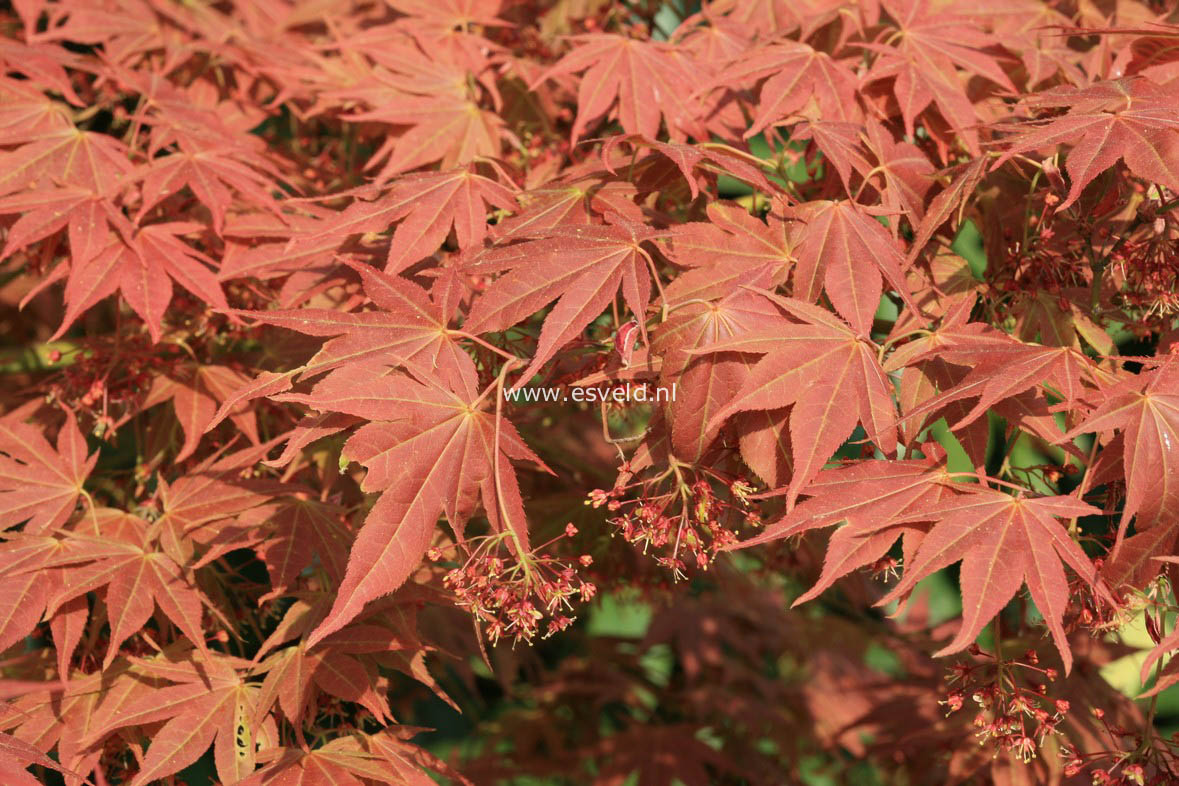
1015,713
512,592
681,519
1132,760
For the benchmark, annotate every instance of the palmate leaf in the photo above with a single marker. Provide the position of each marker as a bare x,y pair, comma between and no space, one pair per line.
1003,542
805,16
929,45
142,264
428,451
65,156
1132,119
434,105
705,383
581,198
582,268
688,159
195,397
384,757
25,110
844,252
904,173
643,82
213,175
1001,368
295,674
948,205
427,205
1145,409
209,703
408,329
137,579
828,371
303,531
40,484
16,754
798,75
730,249
871,498
22,602
85,214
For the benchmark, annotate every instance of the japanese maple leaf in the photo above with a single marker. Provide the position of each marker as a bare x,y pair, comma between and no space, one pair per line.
384,757
928,47
428,451
828,371
844,252
66,716
842,145
16,755
949,205
707,382
581,268
192,118
449,14
85,214
301,532
209,704
643,82
29,577
1158,45
1028,410
252,246
1145,409
1031,29
195,507
904,173
1000,368
801,82
40,483
26,111
687,158
785,16
142,266
1132,119
869,497
407,329
444,119
214,176
1003,542
65,156
44,65
105,550
126,30
137,580
427,205
577,199
195,397
295,673
730,249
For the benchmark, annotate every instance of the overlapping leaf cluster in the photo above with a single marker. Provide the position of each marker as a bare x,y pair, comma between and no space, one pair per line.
276,272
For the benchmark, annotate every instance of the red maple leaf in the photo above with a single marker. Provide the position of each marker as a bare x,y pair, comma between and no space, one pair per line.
582,268
830,374
1003,542
40,484
872,498
1132,119
924,49
428,450
643,82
